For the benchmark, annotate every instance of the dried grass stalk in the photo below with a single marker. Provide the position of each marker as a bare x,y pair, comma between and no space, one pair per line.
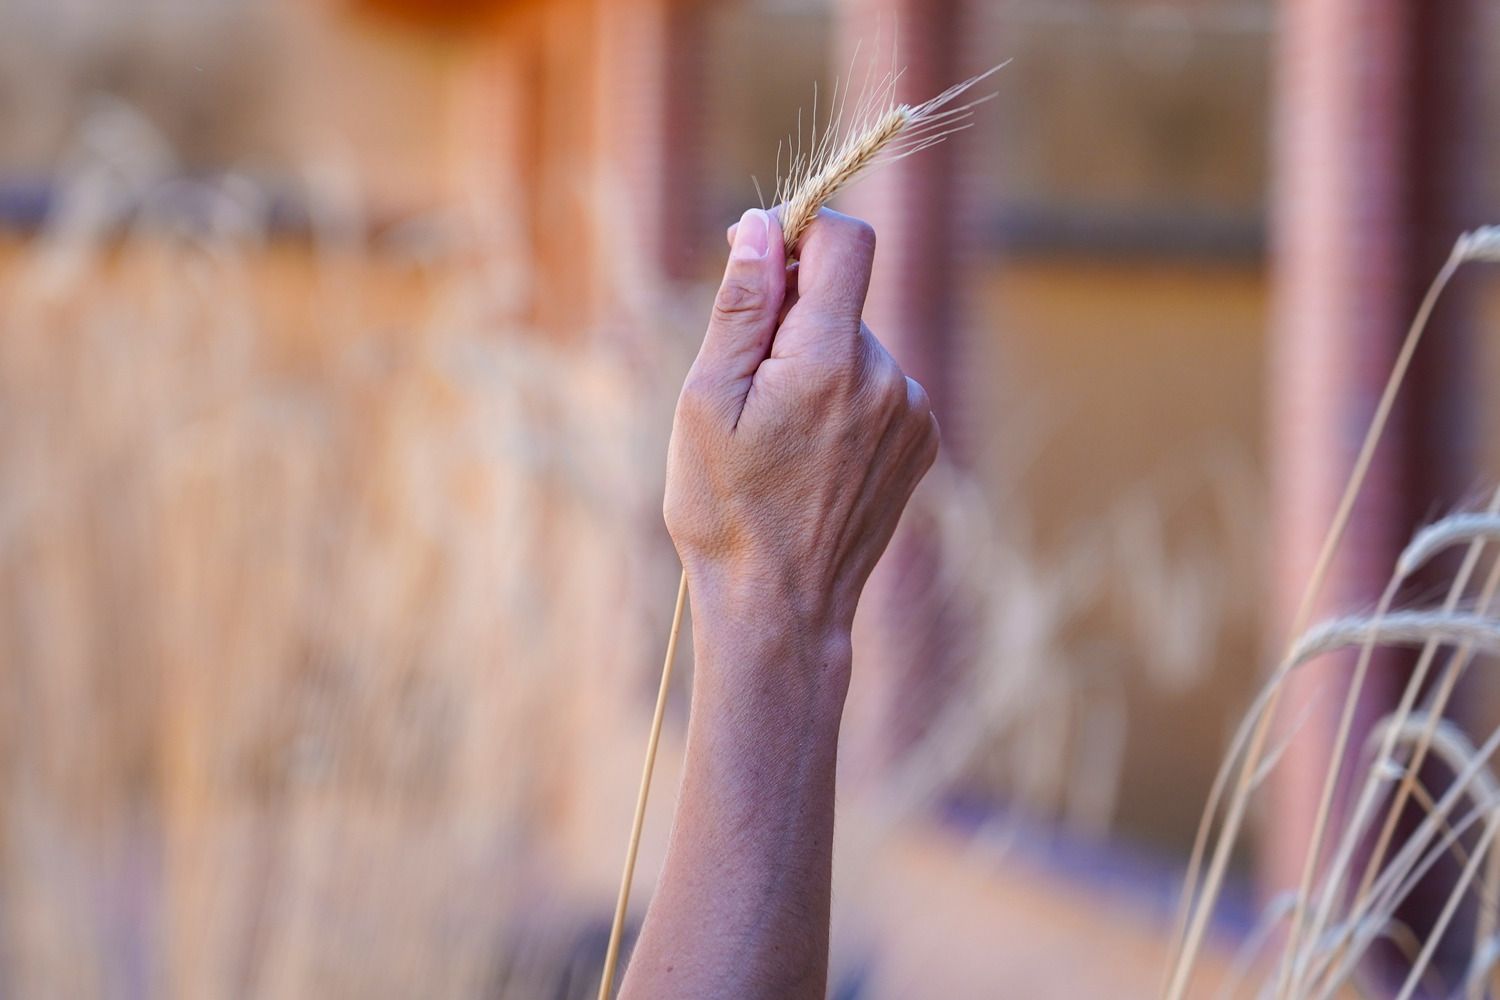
1196,905
1315,962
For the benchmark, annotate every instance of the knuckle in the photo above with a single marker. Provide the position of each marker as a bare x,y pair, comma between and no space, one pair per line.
917,400
883,383
697,396
850,232
676,513
890,384
862,235
738,300
930,448
842,362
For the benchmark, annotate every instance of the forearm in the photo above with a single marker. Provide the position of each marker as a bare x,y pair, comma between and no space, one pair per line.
796,444
742,907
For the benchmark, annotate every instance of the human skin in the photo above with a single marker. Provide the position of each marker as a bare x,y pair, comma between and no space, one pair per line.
796,446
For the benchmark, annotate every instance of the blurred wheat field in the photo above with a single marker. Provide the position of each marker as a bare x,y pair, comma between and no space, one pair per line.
331,595
286,543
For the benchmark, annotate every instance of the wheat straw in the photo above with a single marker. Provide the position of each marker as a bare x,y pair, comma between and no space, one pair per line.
1479,245
1423,547
1320,965
617,928
1194,913
1424,960
1409,865
1456,664
1481,964
1447,740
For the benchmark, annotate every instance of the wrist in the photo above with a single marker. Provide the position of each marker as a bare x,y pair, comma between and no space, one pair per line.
761,593
757,643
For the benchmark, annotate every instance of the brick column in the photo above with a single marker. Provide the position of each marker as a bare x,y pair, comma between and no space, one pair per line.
649,101
1368,107
906,639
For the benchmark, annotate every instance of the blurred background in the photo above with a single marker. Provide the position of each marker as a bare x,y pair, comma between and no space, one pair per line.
339,341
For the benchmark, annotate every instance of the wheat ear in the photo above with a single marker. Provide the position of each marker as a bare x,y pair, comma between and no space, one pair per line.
883,132
817,190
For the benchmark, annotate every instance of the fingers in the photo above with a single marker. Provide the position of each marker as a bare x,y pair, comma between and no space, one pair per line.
833,276
919,408
902,400
917,402
774,210
836,255
748,303
843,252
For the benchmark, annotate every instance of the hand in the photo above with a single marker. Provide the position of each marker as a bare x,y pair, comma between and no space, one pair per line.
797,441
796,446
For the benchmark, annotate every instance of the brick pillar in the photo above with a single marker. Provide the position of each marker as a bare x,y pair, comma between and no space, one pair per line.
1367,108
906,636
649,112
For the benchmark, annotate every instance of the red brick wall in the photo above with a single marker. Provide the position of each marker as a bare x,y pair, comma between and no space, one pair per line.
911,637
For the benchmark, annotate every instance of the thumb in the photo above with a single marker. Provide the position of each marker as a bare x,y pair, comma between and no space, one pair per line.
748,302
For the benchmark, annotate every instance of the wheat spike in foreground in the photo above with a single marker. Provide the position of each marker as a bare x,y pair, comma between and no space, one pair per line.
882,131
812,194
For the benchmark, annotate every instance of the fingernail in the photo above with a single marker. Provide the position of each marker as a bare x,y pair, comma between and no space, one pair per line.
752,238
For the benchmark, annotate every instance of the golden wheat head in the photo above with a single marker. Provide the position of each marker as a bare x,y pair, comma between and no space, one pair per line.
880,131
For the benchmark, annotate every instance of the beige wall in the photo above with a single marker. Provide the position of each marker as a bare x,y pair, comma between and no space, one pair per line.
1114,382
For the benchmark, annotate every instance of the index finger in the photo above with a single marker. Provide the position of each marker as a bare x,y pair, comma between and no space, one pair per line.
836,254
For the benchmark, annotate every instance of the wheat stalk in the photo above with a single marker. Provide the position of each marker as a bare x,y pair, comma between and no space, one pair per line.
622,903
1193,914
1445,626
1470,528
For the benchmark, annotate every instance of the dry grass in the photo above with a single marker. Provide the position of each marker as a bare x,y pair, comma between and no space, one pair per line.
1349,898
285,565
